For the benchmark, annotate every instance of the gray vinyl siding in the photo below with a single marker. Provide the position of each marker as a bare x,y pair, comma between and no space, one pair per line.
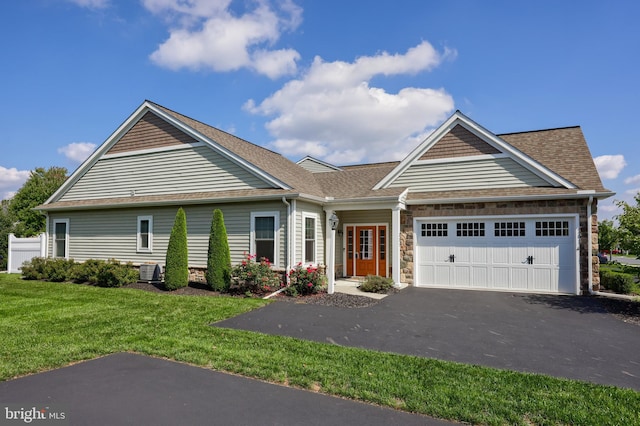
315,167
301,209
476,174
105,234
195,169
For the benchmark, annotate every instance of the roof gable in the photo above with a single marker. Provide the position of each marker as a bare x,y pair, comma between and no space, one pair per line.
316,166
148,133
459,142
461,139
152,121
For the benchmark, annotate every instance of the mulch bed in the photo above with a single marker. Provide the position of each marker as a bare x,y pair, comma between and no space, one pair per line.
196,289
625,310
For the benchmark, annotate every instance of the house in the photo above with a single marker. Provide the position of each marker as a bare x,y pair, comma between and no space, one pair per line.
467,208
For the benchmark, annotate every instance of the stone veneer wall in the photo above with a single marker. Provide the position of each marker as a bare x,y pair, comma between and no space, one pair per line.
505,208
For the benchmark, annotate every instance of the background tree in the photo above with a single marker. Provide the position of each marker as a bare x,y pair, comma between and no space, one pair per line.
35,191
6,227
629,221
176,274
607,236
218,256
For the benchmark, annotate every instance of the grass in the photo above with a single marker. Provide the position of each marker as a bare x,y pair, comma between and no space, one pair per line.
46,325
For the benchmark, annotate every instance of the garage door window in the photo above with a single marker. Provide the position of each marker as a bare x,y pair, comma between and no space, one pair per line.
552,229
434,230
509,229
470,229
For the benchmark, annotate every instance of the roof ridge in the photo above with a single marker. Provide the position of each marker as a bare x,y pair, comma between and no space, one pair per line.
539,130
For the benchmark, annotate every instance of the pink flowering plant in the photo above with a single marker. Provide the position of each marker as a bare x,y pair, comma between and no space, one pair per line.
304,280
254,276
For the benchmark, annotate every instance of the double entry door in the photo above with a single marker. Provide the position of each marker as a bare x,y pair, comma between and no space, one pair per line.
366,250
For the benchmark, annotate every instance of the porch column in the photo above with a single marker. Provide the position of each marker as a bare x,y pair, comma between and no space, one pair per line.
395,245
330,247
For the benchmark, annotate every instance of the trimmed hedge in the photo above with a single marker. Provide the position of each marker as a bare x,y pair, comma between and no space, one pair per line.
218,256
176,273
616,281
104,274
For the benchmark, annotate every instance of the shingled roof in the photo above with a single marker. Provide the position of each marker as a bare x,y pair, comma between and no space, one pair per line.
564,151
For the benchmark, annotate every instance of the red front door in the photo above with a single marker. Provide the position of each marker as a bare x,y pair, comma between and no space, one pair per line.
366,250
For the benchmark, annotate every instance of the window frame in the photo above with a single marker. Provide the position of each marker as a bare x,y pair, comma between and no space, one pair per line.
315,219
139,247
276,238
66,239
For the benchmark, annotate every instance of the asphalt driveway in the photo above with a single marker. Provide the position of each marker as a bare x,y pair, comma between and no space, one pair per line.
130,389
562,336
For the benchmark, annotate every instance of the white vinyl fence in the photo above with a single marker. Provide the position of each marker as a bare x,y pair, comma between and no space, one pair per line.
24,249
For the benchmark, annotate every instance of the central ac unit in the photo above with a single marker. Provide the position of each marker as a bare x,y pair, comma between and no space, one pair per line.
150,272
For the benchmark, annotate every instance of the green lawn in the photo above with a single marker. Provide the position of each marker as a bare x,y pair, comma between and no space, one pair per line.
46,325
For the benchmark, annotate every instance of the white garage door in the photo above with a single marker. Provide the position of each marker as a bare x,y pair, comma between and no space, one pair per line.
500,253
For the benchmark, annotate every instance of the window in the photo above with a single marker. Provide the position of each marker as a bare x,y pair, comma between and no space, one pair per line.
509,229
558,228
61,238
434,230
383,244
350,243
470,229
145,234
264,227
366,244
309,253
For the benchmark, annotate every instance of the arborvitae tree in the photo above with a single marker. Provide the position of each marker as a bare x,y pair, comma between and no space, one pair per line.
176,274
218,256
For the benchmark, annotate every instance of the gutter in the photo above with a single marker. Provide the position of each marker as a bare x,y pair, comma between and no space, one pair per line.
486,199
133,204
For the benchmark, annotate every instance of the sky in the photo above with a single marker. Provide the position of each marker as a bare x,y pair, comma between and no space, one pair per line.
342,81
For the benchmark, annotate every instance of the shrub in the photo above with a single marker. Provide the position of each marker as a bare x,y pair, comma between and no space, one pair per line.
617,281
305,280
376,284
58,270
176,274
218,257
87,271
34,269
115,274
254,277
40,268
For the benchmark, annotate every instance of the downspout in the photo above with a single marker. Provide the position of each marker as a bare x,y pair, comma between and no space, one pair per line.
289,238
590,247
46,235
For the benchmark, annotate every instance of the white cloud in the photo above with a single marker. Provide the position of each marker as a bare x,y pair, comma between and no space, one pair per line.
632,180
610,166
632,192
333,113
210,36
91,4
77,151
11,180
